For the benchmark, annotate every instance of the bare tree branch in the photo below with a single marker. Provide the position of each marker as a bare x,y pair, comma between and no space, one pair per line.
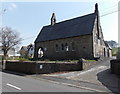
9,39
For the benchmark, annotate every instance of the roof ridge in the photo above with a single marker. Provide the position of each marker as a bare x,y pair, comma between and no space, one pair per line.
71,19
69,28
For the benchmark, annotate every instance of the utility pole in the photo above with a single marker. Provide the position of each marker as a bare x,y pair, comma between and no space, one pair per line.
3,62
3,11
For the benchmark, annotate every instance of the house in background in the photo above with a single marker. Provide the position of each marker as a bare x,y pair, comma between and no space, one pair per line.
112,43
30,48
27,51
76,38
23,52
108,49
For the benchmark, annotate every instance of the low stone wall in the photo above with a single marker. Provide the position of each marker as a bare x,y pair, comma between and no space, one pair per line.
115,66
44,67
24,67
33,67
118,55
86,65
57,67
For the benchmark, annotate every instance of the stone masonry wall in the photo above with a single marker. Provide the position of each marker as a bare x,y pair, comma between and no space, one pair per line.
40,67
83,48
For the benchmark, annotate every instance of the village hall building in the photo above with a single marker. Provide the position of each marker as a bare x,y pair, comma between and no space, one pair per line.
76,38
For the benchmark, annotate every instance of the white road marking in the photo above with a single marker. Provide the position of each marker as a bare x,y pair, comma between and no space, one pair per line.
13,86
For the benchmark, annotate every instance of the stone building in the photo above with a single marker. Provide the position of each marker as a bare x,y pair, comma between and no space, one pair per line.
75,38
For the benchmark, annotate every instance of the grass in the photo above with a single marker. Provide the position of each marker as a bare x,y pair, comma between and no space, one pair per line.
91,60
22,59
62,61
59,61
48,61
115,50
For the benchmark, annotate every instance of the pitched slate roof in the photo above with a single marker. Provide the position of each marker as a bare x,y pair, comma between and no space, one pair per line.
107,45
24,48
70,28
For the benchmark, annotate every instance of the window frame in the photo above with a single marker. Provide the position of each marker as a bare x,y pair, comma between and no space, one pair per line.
73,46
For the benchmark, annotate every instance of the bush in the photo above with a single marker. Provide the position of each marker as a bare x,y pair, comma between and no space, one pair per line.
115,50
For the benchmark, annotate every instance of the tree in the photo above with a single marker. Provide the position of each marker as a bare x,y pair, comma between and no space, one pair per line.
9,39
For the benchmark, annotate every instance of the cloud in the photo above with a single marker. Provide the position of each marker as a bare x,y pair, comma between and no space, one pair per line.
12,6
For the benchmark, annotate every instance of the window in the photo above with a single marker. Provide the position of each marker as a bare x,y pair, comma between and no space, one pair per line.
96,38
40,52
31,48
62,47
66,47
104,52
73,46
101,42
57,47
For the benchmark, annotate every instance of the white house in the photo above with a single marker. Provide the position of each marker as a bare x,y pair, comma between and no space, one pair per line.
27,51
30,50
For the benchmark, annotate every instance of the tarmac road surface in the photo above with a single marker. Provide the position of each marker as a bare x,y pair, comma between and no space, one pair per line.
15,83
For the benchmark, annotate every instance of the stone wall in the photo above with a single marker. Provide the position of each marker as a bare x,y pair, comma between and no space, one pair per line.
115,66
118,55
24,67
44,67
57,67
39,67
83,48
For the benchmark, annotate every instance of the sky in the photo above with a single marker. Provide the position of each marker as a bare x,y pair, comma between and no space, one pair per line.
28,18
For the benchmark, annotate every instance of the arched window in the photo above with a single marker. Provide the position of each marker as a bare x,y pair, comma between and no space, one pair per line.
62,47
104,52
40,52
56,47
73,46
66,47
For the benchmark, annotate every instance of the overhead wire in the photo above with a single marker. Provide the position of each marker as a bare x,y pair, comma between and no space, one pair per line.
85,10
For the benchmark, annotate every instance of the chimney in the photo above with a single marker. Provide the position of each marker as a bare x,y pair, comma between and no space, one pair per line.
53,19
98,19
96,8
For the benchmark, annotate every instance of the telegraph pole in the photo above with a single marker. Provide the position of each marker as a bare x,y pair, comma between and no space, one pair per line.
1,13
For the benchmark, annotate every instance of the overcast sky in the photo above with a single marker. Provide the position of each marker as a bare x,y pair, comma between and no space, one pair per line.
29,17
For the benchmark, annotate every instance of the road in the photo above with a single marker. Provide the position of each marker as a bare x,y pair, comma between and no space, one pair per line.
15,83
